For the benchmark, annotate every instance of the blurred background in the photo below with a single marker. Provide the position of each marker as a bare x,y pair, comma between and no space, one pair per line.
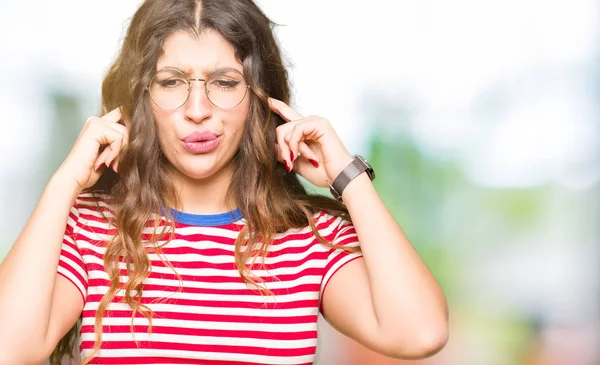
481,119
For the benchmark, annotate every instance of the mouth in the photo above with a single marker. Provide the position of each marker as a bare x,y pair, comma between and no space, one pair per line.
204,136
201,146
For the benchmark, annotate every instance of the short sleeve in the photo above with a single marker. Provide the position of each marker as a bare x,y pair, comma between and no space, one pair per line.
345,235
70,264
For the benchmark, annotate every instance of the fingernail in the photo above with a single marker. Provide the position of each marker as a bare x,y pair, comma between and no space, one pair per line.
315,163
97,168
287,167
291,156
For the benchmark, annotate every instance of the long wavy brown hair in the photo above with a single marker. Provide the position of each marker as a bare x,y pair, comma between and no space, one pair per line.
270,199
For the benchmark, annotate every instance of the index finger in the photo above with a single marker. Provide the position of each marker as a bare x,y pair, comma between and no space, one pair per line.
284,110
113,115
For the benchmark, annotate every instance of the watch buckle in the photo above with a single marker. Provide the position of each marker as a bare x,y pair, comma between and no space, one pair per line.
334,192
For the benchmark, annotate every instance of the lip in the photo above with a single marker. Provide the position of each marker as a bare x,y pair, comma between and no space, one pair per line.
201,146
200,137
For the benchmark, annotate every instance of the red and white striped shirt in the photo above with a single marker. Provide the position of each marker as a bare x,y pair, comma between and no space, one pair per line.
215,318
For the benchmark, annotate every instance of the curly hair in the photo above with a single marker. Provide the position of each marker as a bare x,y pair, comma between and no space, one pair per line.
270,199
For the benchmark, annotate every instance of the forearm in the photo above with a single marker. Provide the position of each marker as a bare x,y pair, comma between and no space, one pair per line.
28,272
405,294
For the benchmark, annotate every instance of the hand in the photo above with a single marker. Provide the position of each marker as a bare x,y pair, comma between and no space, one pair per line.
86,161
309,146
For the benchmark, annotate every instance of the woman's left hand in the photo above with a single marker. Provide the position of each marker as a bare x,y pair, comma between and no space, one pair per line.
309,145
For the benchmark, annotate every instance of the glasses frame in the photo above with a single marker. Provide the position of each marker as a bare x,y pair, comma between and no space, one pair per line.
189,81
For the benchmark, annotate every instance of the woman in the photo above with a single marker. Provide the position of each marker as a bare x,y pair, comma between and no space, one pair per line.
189,238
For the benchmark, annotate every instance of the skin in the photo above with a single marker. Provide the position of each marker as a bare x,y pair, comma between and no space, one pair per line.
388,300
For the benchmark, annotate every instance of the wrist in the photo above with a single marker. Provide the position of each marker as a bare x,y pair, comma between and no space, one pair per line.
339,165
360,183
356,167
64,183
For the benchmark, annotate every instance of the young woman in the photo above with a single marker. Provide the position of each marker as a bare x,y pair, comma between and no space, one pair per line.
189,238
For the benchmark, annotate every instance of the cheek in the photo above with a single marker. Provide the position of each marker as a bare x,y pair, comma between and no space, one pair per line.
163,129
161,117
240,116
238,122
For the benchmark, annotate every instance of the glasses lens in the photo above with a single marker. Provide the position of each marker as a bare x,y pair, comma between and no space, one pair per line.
226,88
169,89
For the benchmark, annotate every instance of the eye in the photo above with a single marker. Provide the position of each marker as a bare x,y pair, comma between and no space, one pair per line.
171,82
225,84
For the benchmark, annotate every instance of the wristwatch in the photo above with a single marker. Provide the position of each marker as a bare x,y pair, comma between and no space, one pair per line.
351,171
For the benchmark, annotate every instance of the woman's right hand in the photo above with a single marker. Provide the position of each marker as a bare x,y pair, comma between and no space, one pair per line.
85,162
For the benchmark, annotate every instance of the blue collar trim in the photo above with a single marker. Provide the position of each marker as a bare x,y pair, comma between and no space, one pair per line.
206,219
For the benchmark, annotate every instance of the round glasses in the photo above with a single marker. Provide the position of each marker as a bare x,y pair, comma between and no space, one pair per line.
170,88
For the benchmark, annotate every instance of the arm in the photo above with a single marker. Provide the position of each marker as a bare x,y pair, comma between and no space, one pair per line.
36,308
388,301
28,278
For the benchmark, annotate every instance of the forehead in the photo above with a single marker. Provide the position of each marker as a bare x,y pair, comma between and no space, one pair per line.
197,56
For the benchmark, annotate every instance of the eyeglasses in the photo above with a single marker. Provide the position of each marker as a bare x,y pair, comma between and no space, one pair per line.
170,88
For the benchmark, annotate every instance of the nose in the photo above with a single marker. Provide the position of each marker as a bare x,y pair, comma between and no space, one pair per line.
197,107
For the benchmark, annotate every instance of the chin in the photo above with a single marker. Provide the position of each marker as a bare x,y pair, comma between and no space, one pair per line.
201,168
197,173
198,167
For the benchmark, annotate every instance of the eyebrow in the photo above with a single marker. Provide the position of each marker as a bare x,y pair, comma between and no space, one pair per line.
189,71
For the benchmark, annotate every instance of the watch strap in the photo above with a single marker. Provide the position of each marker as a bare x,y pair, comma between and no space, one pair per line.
351,171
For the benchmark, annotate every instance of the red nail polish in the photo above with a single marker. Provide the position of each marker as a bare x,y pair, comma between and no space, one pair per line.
315,163
97,168
287,167
291,156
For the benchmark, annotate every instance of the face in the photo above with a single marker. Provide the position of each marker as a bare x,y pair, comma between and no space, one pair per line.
198,58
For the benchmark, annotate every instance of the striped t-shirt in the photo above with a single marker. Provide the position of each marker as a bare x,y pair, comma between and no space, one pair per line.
215,318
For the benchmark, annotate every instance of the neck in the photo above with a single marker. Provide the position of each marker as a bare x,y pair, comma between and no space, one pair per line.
206,196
